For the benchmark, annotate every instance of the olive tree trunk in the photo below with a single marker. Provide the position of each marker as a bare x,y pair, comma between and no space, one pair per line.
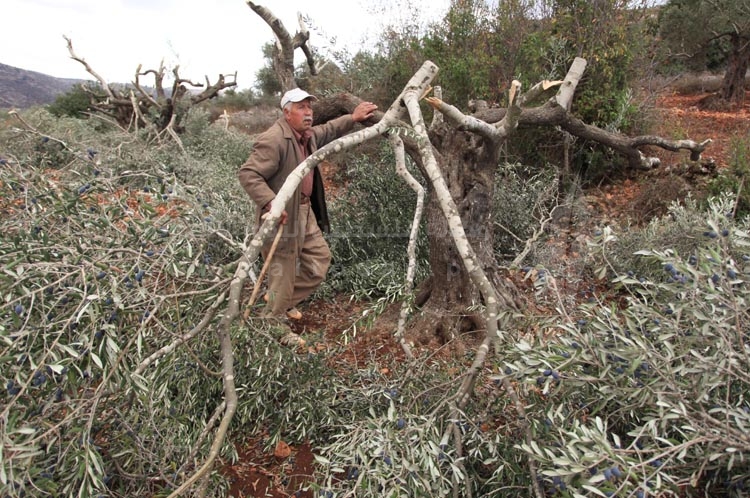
733,85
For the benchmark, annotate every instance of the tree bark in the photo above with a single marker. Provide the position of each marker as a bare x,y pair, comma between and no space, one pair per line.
468,166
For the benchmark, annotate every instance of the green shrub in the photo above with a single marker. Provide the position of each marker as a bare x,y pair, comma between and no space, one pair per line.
391,439
235,100
734,179
291,395
681,231
214,155
522,197
640,393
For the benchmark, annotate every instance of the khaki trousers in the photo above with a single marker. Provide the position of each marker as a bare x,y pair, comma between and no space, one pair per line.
299,264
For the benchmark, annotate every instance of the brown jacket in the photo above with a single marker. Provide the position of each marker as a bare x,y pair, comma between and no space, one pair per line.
275,155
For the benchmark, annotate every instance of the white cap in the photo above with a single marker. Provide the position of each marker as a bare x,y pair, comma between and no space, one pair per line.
296,95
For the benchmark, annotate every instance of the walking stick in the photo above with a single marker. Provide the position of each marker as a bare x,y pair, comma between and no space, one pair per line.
263,270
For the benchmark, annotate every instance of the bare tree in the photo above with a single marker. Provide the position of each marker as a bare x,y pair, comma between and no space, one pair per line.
136,107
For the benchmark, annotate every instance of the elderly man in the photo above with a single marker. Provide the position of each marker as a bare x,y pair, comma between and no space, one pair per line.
302,257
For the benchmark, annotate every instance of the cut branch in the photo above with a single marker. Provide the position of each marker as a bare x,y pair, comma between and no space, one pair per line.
88,68
555,112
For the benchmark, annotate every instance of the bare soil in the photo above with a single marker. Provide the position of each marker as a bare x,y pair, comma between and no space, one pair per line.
257,474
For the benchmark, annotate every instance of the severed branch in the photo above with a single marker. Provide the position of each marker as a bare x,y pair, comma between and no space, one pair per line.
510,122
227,370
463,122
504,127
627,146
212,90
437,117
492,133
204,433
88,68
30,128
145,94
555,112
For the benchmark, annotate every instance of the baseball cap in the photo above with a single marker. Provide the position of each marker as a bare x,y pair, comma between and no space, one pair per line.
296,95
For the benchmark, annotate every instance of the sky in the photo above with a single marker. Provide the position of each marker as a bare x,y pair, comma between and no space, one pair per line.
206,38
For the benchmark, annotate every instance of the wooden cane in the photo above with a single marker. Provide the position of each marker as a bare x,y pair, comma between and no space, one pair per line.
263,270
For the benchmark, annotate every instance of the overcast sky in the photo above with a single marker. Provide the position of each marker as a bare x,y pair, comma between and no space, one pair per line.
205,37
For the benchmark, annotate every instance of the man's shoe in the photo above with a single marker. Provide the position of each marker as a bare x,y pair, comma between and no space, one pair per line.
290,339
292,313
283,333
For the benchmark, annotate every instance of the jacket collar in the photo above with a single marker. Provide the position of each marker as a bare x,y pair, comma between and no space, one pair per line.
285,128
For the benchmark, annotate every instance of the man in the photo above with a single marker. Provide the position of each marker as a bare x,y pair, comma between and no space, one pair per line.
302,256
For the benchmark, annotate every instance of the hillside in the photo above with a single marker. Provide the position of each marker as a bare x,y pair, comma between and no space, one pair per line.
21,89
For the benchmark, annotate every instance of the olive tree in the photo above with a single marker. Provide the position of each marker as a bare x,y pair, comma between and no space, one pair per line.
691,27
137,106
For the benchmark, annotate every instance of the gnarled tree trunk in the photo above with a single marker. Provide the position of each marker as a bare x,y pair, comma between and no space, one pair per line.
137,107
468,163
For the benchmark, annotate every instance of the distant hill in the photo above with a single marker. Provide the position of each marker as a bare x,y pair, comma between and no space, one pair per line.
20,88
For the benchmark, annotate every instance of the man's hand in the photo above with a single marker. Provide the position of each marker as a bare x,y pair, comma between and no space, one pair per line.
363,111
267,208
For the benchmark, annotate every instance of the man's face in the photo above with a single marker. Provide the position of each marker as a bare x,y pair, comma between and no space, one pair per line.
300,115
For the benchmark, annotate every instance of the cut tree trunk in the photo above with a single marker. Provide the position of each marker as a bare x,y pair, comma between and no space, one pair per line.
449,298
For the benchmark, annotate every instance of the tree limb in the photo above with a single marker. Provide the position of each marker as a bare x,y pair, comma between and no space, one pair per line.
462,121
88,68
398,149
